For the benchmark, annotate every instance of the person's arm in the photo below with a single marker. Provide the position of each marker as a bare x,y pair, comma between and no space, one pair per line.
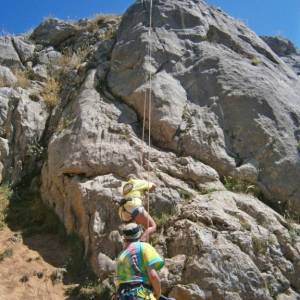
148,223
155,281
152,187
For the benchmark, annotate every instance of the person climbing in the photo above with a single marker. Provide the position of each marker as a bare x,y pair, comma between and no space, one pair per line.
131,206
137,266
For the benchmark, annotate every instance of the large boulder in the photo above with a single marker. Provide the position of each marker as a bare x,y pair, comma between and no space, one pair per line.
280,45
8,54
229,100
94,148
238,248
7,78
24,48
22,124
286,50
53,32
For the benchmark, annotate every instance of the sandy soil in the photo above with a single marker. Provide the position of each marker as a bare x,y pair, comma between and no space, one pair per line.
26,267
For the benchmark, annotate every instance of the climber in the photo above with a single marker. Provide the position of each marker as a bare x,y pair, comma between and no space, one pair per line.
131,206
137,267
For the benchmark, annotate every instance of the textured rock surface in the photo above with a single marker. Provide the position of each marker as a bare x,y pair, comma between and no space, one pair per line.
52,32
7,77
235,100
22,125
223,104
286,50
8,55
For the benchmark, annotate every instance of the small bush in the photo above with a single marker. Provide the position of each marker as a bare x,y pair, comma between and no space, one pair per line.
260,246
162,219
22,79
6,253
240,186
3,82
255,61
64,123
5,194
72,60
245,224
291,221
96,22
184,194
50,92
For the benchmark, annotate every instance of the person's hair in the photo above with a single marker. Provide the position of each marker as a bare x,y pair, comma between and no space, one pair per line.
131,176
131,240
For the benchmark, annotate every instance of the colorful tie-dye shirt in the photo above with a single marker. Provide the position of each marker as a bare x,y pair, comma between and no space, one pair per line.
132,263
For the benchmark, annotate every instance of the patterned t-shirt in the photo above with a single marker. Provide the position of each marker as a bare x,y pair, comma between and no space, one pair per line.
132,263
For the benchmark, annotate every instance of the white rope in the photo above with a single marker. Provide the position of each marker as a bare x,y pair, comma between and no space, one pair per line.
149,107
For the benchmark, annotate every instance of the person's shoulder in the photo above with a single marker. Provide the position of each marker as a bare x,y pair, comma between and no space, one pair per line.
147,246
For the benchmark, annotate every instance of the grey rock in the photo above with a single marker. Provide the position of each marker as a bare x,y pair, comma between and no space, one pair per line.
53,32
24,49
4,155
209,224
106,265
280,45
233,95
48,56
188,292
7,77
40,72
224,104
286,50
8,55
22,122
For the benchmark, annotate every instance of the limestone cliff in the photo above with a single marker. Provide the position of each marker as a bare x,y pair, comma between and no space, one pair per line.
225,115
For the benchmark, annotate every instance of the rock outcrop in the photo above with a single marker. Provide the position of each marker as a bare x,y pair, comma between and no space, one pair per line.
286,50
225,115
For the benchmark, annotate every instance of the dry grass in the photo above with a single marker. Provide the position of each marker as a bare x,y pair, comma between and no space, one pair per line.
5,193
255,61
50,93
3,82
97,21
72,60
22,79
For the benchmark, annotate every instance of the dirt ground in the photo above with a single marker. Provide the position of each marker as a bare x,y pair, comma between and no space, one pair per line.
29,268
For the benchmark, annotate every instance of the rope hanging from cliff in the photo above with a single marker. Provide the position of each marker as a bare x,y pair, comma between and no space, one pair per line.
149,107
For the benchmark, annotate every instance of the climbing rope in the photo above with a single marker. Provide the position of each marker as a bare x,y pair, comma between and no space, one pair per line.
149,98
149,108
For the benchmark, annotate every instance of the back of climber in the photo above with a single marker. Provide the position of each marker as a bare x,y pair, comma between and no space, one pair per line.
137,268
131,206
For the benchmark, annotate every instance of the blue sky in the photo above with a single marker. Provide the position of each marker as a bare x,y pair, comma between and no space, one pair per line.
269,17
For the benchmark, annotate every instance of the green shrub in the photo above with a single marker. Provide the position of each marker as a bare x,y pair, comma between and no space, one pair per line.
294,231
184,194
161,219
6,253
240,186
5,193
255,61
260,246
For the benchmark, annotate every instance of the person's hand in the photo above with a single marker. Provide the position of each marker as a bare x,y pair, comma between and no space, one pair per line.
153,187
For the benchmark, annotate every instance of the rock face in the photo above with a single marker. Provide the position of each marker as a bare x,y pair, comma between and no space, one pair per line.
224,107
53,32
236,102
8,54
286,50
